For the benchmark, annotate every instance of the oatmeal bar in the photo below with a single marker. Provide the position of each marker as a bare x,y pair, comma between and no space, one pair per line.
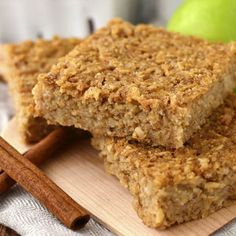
20,65
138,82
175,186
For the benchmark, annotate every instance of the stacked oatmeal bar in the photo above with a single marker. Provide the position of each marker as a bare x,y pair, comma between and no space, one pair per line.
154,102
171,186
138,82
20,64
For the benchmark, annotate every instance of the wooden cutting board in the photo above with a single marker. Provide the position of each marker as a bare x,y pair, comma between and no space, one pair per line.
79,172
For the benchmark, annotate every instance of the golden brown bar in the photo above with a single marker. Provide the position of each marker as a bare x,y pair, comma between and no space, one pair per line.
174,186
20,65
138,82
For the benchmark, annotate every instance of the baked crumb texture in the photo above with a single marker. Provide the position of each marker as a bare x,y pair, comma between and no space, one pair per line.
175,186
20,65
138,82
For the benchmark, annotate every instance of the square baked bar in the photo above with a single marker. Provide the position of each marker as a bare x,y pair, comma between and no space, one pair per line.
20,65
175,186
138,82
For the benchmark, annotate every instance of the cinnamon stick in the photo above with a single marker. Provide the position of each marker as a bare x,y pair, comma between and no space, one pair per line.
41,152
41,187
4,231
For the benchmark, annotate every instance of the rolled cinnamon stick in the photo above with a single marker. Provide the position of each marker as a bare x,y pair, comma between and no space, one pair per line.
4,231
41,152
41,187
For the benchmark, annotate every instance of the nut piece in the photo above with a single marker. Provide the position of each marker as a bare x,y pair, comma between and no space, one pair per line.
138,133
159,217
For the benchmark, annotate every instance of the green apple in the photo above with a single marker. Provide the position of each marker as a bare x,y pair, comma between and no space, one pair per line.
214,20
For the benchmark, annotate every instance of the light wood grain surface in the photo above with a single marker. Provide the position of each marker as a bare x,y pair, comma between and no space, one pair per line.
79,172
